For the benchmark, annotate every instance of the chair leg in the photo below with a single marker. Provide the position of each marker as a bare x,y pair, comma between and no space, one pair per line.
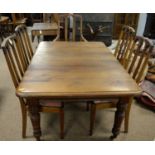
38,37
24,119
87,108
62,124
126,120
92,118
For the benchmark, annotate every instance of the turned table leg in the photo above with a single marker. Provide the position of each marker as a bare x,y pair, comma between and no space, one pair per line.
34,108
119,116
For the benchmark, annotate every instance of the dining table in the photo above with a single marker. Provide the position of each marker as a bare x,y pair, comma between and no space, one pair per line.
75,71
42,29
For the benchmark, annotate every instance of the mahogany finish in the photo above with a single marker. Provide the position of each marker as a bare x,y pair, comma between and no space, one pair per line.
75,71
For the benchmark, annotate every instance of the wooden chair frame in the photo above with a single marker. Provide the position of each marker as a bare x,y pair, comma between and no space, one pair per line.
66,19
124,43
23,37
136,63
17,68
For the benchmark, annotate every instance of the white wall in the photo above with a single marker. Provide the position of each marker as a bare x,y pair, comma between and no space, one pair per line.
141,24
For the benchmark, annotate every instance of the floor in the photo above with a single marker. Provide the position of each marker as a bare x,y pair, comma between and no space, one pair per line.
141,128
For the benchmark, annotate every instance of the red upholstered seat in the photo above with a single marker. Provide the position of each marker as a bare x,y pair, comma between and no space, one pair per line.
49,103
106,101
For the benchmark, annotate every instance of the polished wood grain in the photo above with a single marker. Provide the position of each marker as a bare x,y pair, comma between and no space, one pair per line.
75,69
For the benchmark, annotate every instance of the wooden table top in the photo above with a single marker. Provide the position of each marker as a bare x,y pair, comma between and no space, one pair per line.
44,26
82,70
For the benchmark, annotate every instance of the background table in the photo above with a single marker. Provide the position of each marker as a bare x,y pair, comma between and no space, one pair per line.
43,29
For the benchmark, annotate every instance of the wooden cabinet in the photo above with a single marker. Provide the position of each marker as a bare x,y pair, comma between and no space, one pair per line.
98,27
121,19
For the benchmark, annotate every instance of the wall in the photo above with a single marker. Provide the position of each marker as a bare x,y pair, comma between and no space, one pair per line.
141,23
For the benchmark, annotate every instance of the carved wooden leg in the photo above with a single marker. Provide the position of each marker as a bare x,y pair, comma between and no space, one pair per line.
24,117
127,114
62,123
119,116
32,37
38,37
92,118
87,106
34,108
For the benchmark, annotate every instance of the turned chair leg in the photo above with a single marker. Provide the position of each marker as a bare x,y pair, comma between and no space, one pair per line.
24,119
92,118
87,106
61,123
126,119
38,38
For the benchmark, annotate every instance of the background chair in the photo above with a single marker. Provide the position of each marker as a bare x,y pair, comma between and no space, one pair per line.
72,27
14,58
136,62
50,17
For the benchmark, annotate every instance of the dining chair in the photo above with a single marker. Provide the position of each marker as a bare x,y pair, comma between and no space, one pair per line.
12,53
136,63
126,37
72,27
25,43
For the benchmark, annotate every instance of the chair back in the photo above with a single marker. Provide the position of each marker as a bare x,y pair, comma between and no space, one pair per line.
47,17
138,56
14,59
124,43
72,27
25,43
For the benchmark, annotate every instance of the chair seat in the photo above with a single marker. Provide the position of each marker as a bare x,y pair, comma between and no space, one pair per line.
49,103
106,101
